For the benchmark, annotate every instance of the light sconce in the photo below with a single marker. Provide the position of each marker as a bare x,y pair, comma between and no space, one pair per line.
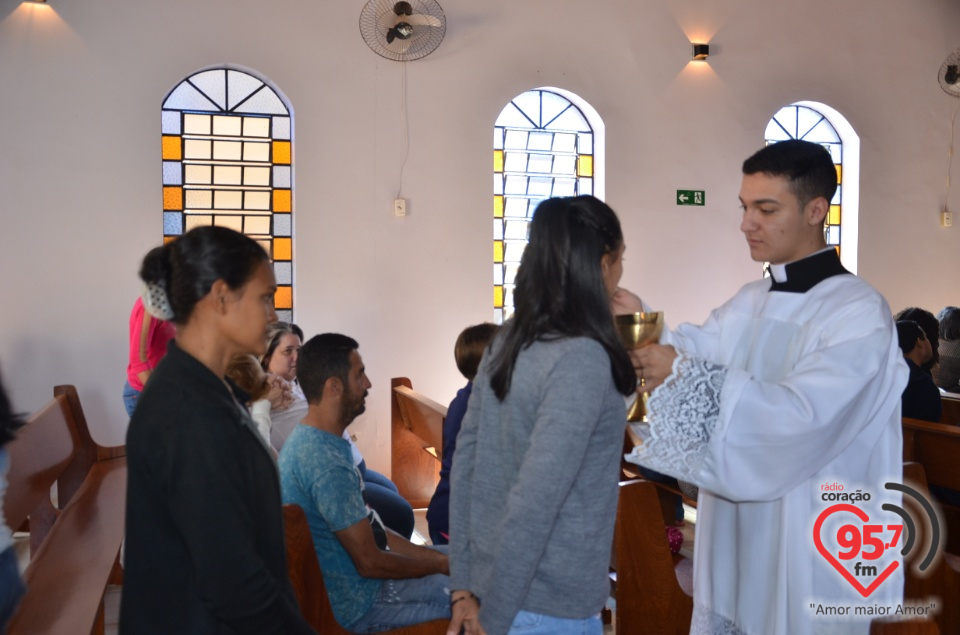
701,51
36,1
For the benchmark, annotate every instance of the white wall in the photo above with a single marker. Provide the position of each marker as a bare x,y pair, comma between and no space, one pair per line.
80,200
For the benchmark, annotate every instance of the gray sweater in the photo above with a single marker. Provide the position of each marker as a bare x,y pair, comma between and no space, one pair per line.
534,485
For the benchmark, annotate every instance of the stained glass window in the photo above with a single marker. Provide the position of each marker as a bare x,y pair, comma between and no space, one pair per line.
802,122
227,161
543,146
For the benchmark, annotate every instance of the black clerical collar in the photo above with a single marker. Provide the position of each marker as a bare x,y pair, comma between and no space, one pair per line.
802,275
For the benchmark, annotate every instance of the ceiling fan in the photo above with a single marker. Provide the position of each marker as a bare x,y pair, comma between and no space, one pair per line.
403,31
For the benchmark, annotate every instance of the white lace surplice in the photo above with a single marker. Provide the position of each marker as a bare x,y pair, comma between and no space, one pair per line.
776,394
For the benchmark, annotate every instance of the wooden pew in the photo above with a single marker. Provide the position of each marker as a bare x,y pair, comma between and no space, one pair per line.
75,546
950,410
308,585
936,447
416,423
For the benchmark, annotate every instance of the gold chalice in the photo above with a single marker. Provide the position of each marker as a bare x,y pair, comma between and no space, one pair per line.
637,330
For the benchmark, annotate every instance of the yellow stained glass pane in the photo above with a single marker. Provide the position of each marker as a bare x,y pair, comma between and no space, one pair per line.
585,165
498,160
173,198
498,206
282,249
171,148
281,200
498,297
281,152
498,251
283,298
839,173
834,217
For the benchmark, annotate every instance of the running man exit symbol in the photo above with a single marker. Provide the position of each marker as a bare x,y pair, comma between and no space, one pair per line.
690,197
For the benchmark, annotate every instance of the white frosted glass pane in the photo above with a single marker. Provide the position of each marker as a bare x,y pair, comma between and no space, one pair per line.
836,196
265,245
285,315
570,119
227,174
515,162
836,151
227,150
172,174
510,272
564,142
281,224
213,85
516,140
199,174
512,118
497,274
264,101
806,120
233,222
823,132
196,148
226,125
199,199
196,124
498,184
281,127
542,163
170,122
516,185
498,316
256,224
228,199
516,207
553,105
253,151
281,176
507,311
257,201
498,138
540,186
514,250
529,104
541,141
197,220
833,235
563,187
534,204
585,145
497,229
256,176
787,117
508,299
774,132
186,97
516,230
283,272
565,164
241,85
256,127
585,186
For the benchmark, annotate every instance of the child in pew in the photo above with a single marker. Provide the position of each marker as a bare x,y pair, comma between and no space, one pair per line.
11,585
266,390
468,351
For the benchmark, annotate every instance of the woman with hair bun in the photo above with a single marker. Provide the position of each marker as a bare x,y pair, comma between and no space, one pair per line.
205,544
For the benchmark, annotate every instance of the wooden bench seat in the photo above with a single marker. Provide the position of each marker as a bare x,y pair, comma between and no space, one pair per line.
75,546
416,425
936,447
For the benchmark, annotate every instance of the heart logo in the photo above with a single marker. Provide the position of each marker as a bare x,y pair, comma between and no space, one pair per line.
862,515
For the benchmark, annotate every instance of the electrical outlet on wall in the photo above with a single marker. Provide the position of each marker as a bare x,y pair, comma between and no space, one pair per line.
400,207
946,218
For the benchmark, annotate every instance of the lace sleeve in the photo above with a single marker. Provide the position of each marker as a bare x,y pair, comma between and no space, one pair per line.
683,413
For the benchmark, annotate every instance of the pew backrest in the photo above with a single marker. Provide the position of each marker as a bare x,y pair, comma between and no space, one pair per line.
936,447
416,424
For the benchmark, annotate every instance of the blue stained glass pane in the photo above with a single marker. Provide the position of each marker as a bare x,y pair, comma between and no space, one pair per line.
498,184
497,274
516,140
497,229
281,224
170,122
516,184
285,315
213,84
540,186
510,117
553,105
585,186
586,143
172,174
281,127
264,101
498,138
283,272
241,86
516,208
281,176
172,223
540,141
186,97
529,104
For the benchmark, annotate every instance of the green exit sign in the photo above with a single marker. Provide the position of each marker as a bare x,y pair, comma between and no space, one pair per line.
690,197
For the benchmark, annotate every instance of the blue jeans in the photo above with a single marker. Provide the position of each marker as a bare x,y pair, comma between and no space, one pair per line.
130,396
11,587
381,494
527,623
406,602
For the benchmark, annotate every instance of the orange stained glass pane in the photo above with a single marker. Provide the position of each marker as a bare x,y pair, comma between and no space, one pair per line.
173,198
282,249
834,217
498,251
498,160
585,165
283,298
168,239
172,148
498,297
837,247
281,200
839,173
281,152
498,206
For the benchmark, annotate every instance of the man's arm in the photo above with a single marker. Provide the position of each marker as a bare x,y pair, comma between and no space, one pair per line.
404,560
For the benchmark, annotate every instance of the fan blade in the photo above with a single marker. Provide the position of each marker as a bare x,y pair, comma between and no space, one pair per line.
387,21
398,47
422,19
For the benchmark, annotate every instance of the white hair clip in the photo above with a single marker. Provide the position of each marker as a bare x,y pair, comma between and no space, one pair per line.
155,301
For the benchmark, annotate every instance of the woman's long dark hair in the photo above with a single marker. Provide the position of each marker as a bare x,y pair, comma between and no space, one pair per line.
560,289
10,421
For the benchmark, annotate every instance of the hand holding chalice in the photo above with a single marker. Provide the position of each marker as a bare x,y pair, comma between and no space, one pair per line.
638,330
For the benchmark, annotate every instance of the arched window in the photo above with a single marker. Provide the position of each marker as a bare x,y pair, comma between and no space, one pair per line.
546,142
818,123
227,160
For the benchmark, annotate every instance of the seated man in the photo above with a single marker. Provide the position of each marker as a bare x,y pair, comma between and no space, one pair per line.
376,580
921,397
